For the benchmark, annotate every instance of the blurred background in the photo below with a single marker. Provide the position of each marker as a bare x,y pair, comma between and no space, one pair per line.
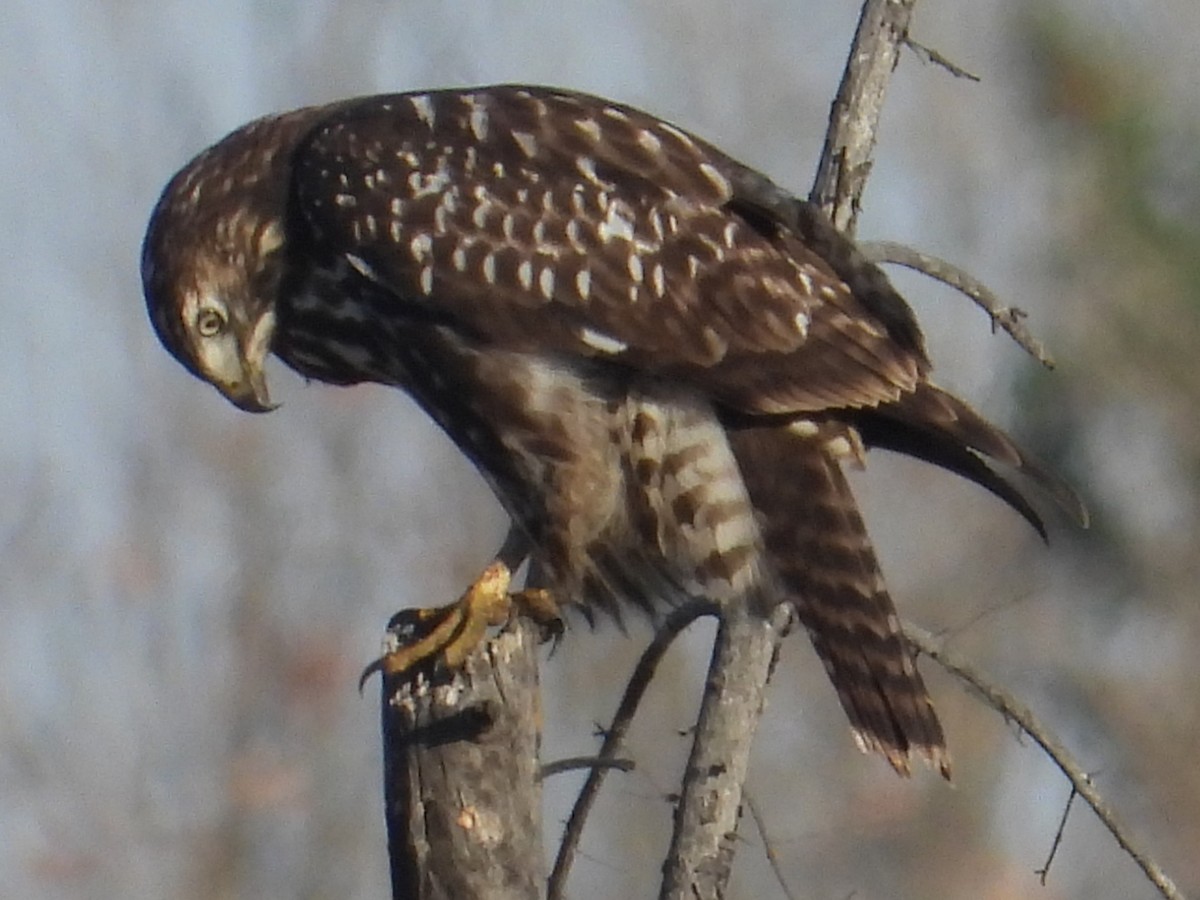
188,593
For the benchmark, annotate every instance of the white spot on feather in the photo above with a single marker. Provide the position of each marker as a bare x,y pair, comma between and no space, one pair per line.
656,223
719,181
478,118
422,185
589,127
427,280
583,284
546,282
801,321
423,107
677,134
598,340
649,141
525,274
489,268
804,428
587,168
420,247
634,264
838,447
359,265
573,235
617,224
527,142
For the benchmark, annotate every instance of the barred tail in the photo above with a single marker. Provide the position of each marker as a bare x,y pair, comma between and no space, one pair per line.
818,546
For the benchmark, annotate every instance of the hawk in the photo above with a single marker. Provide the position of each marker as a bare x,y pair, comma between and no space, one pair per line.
657,358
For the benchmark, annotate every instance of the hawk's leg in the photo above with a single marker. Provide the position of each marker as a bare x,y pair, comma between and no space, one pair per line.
448,634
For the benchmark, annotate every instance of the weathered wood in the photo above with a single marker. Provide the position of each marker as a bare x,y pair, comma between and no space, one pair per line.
461,785
710,803
854,115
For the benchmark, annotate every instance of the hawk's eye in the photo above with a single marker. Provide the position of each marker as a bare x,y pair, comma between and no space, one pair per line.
210,322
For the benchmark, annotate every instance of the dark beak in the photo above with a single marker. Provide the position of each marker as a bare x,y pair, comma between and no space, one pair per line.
251,394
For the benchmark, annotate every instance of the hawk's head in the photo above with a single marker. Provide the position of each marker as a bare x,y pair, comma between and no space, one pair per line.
212,259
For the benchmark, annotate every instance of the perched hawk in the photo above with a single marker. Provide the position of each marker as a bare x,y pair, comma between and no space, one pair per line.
657,358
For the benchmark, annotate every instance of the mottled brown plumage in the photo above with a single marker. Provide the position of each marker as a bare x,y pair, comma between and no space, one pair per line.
655,356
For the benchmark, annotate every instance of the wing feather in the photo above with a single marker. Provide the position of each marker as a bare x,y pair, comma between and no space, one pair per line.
562,224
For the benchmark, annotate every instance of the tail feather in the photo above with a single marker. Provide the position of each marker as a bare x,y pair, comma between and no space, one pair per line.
934,426
818,545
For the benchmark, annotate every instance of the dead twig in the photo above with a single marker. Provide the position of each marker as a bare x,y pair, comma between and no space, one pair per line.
643,673
1016,712
768,850
1009,318
571,763
1044,871
929,55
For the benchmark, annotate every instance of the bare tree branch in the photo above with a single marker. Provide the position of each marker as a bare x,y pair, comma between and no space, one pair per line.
706,818
854,118
1009,318
643,674
1014,711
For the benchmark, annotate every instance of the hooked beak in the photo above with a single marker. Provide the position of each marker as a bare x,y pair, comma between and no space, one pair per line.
248,391
251,394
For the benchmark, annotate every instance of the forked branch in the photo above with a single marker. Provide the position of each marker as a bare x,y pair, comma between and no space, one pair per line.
1015,711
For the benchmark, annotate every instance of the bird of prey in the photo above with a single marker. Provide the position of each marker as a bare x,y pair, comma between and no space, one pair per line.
657,358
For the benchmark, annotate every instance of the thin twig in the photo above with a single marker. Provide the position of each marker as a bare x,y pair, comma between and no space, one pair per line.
571,763
1014,711
1044,871
929,55
1009,318
643,673
768,849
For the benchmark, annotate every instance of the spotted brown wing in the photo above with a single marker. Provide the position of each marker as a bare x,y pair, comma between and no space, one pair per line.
560,223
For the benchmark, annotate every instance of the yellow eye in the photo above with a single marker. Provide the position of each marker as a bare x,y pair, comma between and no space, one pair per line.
210,322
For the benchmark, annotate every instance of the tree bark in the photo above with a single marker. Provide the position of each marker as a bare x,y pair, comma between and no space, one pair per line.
461,780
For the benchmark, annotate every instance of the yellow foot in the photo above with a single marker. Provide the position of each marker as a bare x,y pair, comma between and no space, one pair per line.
449,634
